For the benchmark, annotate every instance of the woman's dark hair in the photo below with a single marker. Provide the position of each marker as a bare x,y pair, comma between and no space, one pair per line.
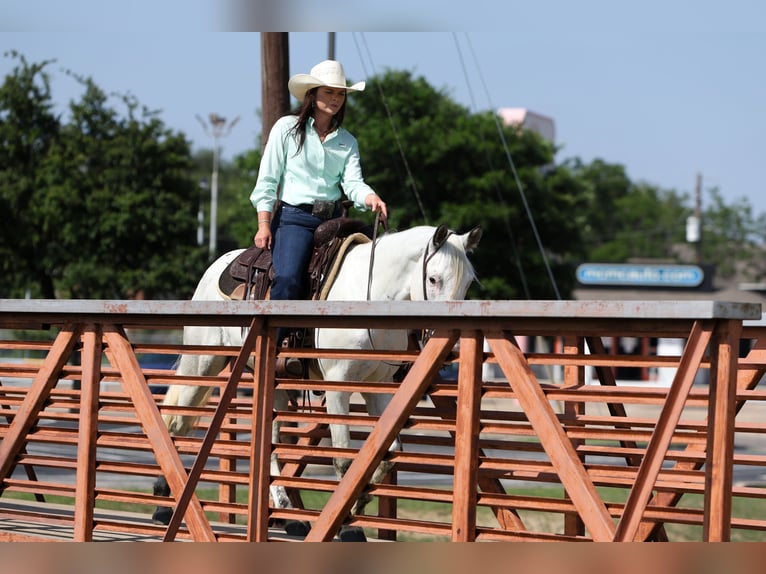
305,111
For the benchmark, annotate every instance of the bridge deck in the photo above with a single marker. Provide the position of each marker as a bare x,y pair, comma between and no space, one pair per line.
30,521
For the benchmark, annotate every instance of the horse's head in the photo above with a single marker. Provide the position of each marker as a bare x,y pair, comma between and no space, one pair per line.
446,271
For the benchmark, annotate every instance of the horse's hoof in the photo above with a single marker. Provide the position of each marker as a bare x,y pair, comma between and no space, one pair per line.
353,534
162,515
297,528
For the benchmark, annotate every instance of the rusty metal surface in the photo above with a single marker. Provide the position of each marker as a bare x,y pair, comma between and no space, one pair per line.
56,310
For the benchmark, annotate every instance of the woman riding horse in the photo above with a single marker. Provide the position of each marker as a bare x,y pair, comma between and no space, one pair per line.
309,157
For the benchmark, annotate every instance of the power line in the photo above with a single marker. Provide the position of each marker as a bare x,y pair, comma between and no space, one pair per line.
515,174
515,256
410,178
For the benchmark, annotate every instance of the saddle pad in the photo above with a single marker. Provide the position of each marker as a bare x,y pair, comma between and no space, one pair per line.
332,272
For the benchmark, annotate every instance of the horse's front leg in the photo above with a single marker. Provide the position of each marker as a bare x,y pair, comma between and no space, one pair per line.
278,493
338,403
182,425
376,404
190,395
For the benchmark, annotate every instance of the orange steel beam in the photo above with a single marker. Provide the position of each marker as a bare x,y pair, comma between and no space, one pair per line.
85,488
721,414
606,377
260,453
214,427
657,448
124,359
26,415
746,380
507,518
28,469
714,436
391,421
574,376
466,471
553,439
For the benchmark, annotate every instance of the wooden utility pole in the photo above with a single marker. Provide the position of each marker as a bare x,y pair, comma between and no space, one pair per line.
275,69
331,45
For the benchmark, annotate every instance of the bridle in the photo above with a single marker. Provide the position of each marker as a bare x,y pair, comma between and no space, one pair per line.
439,239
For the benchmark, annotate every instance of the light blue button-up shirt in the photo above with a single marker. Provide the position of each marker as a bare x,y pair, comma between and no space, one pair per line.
318,171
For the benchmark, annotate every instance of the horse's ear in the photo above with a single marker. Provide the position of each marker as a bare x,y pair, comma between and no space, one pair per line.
440,236
472,238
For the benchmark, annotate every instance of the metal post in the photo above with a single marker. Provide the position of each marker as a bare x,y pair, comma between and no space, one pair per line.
698,214
213,233
201,212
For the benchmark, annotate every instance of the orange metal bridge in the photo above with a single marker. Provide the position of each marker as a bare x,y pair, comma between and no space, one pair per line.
542,453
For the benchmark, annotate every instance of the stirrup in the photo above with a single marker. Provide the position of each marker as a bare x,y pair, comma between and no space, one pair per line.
289,368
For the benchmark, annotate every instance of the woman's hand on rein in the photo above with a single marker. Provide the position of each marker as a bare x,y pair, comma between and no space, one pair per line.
374,202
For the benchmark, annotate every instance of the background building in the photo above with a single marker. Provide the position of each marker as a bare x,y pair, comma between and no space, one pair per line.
529,120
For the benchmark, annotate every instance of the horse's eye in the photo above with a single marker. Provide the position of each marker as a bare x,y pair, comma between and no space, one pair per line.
432,280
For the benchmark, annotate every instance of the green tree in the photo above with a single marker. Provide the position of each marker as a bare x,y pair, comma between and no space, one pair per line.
28,129
626,220
110,210
242,218
434,161
732,237
237,219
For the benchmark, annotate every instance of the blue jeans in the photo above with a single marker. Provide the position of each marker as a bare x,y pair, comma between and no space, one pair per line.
293,243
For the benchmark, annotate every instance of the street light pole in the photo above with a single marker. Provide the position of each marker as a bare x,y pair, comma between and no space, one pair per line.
219,129
203,185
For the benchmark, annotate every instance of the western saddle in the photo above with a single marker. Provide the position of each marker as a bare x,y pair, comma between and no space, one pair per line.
249,276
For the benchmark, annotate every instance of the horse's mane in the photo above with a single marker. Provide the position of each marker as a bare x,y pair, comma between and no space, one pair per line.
460,263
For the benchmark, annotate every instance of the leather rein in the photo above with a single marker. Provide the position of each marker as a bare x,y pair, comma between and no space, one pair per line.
378,222
426,258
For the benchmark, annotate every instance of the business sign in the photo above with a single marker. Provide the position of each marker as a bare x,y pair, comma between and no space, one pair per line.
637,275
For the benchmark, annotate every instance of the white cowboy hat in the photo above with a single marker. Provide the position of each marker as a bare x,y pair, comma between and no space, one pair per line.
326,73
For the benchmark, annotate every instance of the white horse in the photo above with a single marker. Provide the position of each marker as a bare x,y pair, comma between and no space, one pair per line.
420,263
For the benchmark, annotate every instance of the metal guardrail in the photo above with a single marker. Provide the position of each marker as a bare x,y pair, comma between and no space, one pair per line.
81,419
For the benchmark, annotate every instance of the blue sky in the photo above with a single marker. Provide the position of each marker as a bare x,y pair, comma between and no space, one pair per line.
669,89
